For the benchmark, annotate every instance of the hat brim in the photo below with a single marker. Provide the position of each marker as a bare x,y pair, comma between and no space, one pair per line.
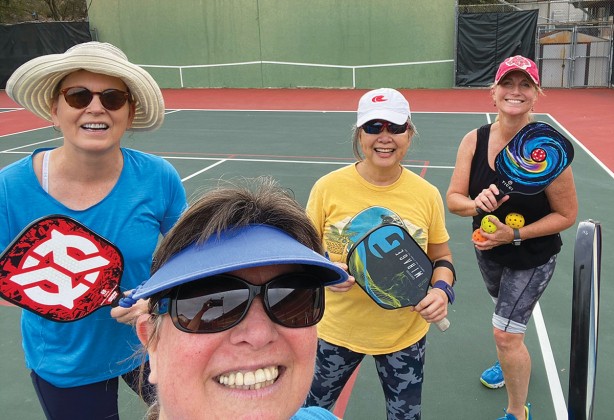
251,246
382,114
33,84
508,71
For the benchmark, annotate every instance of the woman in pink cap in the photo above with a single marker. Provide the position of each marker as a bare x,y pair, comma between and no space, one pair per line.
344,205
516,263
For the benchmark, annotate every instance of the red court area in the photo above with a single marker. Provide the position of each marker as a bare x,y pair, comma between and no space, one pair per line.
586,113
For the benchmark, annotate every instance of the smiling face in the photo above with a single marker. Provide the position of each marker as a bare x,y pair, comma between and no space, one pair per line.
515,94
194,372
93,128
383,152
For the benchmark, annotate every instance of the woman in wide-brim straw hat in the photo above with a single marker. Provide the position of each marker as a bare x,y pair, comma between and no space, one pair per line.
92,94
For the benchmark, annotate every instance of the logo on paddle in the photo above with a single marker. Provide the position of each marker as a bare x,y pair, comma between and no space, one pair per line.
390,267
60,270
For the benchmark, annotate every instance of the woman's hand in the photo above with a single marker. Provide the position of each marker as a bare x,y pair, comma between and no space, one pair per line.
129,315
488,200
346,285
434,306
502,236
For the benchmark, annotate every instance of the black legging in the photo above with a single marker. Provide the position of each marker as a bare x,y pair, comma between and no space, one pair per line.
97,401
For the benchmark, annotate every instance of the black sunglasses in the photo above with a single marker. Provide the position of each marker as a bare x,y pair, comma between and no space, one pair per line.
80,97
217,303
377,126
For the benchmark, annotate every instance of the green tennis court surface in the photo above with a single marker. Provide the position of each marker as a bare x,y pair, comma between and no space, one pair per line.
297,148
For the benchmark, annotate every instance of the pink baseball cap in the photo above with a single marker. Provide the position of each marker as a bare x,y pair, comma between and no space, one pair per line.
383,104
518,63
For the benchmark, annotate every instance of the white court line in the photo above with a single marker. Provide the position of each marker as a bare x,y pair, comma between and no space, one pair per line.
292,161
203,170
28,145
556,390
588,152
318,111
25,131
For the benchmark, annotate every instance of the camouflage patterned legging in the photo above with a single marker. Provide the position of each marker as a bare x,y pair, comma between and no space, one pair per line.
515,292
400,373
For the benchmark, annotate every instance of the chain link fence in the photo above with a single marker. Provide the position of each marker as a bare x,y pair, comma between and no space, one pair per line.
573,40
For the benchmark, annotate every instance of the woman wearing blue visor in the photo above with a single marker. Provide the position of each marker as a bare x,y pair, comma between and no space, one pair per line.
236,291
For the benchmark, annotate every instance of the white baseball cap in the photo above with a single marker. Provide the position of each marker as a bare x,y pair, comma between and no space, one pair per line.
383,104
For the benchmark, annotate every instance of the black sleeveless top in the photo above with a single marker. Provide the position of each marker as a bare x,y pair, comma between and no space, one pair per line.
532,252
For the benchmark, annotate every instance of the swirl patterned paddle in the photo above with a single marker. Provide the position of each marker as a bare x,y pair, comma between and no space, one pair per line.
532,159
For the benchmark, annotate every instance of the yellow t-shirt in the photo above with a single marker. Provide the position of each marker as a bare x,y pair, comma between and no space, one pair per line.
344,206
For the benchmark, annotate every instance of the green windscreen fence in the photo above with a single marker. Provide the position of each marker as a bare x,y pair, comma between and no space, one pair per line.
486,39
25,41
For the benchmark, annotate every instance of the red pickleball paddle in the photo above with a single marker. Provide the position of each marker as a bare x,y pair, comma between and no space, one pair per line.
60,270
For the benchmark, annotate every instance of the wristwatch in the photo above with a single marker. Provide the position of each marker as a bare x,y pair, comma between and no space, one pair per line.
449,290
517,240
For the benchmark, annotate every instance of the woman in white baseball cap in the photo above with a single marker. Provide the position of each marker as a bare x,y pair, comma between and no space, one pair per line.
346,204
92,94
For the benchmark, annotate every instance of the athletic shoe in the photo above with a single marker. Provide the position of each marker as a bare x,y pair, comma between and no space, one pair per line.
493,377
527,414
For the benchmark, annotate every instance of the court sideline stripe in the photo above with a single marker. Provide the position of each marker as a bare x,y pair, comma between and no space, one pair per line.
28,145
556,391
583,147
203,170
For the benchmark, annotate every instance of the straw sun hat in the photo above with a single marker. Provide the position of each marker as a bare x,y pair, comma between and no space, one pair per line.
34,83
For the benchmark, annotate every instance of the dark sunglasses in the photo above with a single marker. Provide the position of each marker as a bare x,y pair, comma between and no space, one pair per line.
80,97
217,303
377,126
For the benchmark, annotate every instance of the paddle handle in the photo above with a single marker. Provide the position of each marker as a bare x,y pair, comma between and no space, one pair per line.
483,212
443,325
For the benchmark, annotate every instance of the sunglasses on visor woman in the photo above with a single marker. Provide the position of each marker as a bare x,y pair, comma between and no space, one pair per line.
377,126
80,97
218,303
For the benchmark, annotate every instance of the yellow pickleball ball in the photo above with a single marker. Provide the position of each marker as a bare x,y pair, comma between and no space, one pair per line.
514,220
487,225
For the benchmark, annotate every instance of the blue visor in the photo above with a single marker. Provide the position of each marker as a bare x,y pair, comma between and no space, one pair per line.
251,246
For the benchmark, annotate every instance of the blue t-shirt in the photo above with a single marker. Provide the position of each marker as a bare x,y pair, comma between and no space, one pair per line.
146,201
313,413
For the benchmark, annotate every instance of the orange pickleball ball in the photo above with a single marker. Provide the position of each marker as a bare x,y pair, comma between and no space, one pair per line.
477,236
